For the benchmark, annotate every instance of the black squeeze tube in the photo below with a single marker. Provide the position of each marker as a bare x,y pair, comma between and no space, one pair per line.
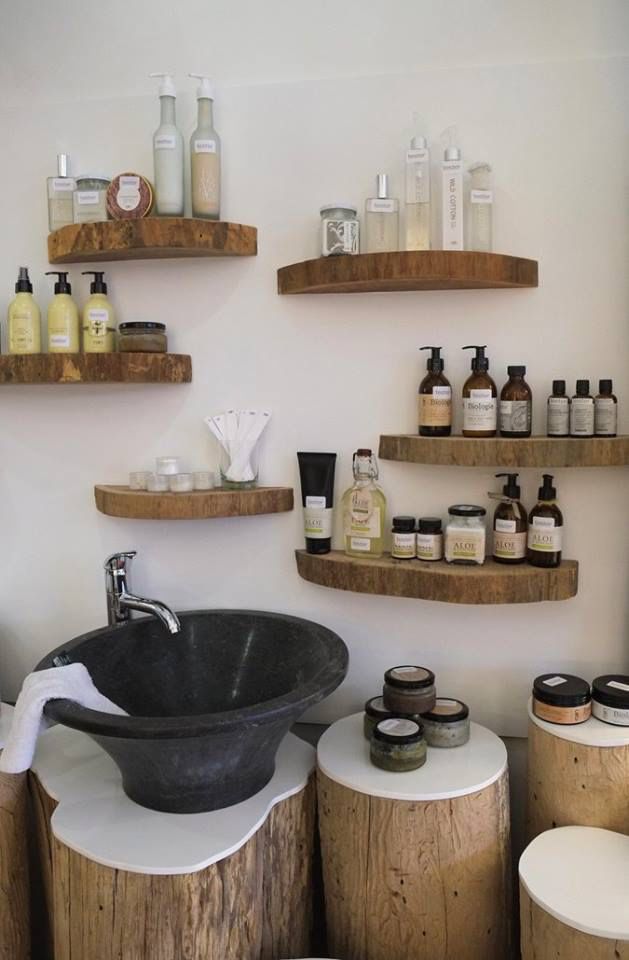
316,471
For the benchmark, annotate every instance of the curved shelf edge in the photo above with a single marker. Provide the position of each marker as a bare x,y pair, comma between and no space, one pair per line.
119,501
47,368
506,452
491,583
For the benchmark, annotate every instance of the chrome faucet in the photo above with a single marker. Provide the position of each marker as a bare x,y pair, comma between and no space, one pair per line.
120,601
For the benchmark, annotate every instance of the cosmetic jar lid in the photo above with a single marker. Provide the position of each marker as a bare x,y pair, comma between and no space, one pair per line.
141,325
404,524
447,710
102,177
561,690
339,206
398,730
466,510
374,707
409,677
559,388
612,690
583,388
605,386
429,525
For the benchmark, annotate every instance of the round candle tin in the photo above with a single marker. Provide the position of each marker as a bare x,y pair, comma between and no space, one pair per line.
610,699
561,698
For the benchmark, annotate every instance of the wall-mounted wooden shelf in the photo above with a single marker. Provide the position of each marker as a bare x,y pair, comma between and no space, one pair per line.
407,270
491,583
40,368
199,505
538,452
152,238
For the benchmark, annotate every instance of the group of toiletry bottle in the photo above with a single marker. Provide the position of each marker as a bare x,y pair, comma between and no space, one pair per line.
582,415
565,699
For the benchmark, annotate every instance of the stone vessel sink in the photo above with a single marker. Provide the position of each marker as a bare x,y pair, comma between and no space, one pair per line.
208,707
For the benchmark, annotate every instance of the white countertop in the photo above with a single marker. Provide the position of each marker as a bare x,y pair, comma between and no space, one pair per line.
591,733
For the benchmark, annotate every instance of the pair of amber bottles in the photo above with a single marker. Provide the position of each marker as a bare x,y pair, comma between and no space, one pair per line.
536,538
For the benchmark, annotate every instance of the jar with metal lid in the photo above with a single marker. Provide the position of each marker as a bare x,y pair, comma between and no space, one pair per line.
610,699
141,337
89,200
403,544
447,724
375,711
409,689
398,745
561,698
465,534
429,540
340,230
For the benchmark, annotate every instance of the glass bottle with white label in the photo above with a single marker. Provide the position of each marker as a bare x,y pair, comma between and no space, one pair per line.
60,190
480,398
582,411
168,153
480,208
364,508
99,325
510,523
417,212
516,405
545,533
205,156
452,236
558,411
435,398
382,215
605,410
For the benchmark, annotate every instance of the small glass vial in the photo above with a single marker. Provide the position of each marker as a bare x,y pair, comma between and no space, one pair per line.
89,200
605,410
340,230
157,483
398,745
582,411
382,214
403,543
429,540
203,480
480,208
60,191
138,480
447,724
167,466
465,534
409,689
181,483
558,411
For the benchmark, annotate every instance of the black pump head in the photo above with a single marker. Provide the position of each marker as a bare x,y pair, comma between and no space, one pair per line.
480,363
97,285
547,491
511,488
23,284
61,284
435,363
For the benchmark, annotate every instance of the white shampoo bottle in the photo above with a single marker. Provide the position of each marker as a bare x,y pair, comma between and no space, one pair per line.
452,199
168,153
205,156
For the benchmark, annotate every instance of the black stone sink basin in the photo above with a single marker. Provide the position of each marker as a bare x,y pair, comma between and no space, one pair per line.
208,707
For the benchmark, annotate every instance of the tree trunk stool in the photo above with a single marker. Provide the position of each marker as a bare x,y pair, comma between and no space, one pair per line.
578,775
15,943
416,865
574,895
127,883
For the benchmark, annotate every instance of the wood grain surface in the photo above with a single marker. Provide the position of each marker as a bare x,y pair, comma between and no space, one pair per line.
545,938
45,368
15,942
198,505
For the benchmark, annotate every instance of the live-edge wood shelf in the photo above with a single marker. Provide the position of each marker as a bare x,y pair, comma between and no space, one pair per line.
538,452
40,368
408,270
151,238
118,501
491,583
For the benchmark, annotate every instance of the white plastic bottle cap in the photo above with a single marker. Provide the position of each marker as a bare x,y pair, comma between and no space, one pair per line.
167,86
205,90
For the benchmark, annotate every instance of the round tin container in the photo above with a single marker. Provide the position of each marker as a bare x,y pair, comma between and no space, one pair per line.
398,745
447,724
610,699
409,689
561,698
375,711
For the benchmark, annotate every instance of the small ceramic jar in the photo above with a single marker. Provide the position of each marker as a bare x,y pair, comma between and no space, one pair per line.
138,480
398,745
447,724
167,466
409,690
610,699
203,480
89,200
561,698
465,534
181,483
429,542
403,544
375,711
157,483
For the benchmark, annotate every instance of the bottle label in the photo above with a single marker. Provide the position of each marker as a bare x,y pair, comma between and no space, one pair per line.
544,536
465,544
430,546
364,524
165,141
435,409
87,196
582,417
509,545
417,176
377,205
398,728
205,146
481,196
97,320
339,236
128,195
403,545
554,681
63,184
558,419
515,416
317,519
22,333
59,340
617,685
360,543
480,411
605,417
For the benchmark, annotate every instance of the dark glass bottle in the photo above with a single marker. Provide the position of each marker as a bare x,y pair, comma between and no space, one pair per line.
605,410
480,403
516,405
435,398
545,528
510,524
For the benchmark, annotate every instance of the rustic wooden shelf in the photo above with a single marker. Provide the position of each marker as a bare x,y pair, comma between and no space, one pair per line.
199,505
407,270
538,452
152,238
95,368
490,583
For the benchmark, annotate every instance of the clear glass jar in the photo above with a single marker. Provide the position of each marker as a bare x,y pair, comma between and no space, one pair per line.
340,230
142,337
89,200
465,534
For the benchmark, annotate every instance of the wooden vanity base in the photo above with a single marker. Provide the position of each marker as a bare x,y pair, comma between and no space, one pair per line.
546,938
15,942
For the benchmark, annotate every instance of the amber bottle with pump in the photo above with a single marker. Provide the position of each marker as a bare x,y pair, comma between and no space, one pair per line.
545,528
516,405
510,524
480,403
435,398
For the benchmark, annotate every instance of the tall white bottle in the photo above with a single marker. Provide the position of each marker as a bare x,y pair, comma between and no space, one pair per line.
452,199
168,153
479,213
417,212
205,156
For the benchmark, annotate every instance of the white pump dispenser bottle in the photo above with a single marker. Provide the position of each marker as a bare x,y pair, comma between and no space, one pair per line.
205,156
168,153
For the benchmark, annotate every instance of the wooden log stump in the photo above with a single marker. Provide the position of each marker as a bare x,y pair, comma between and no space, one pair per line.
15,941
418,868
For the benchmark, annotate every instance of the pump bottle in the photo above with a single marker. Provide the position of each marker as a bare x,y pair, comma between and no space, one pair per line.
63,317
417,218
452,197
545,528
435,398
480,404
205,156
510,524
99,326
23,318
168,153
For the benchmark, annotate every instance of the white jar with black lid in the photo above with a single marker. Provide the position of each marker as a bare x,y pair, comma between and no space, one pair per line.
610,699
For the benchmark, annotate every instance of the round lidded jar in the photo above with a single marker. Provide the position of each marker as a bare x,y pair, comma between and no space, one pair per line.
447,724
398,745
375,711
465,534
610,699
141,337
89,200
340,230
409,689
429,539
561,698
403,543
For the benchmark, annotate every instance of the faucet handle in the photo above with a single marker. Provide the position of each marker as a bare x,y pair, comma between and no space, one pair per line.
117,562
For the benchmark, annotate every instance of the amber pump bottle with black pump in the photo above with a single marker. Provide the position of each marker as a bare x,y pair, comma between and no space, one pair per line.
435,398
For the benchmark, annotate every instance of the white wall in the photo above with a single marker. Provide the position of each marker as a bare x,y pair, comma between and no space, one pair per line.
313,101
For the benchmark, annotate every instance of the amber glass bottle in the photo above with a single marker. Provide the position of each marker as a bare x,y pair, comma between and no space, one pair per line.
545,528
480,403
510,524
435,398
516,405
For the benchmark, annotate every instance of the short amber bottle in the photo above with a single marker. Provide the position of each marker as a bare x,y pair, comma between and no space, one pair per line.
435,399
545,528
510,524
516,405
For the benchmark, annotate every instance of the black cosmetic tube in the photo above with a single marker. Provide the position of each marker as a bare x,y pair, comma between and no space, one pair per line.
316,471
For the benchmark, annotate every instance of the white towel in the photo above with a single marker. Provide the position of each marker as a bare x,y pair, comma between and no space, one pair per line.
71,682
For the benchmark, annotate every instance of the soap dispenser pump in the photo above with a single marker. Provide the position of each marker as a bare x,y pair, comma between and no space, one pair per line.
545,527
168,153
205,155
435,398
63,317
23,318
99,327
480,403
510,523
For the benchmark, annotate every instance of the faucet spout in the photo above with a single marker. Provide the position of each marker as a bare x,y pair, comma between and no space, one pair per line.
155,607
120,601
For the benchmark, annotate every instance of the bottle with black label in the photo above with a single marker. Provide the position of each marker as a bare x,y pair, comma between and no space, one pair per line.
558,411
545,528
480,398
605,410
435,398
582,411
516,405
510,524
